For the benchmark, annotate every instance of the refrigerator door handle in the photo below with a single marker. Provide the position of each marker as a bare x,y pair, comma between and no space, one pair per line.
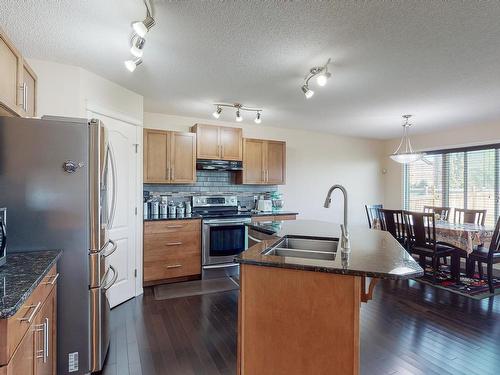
113,280
111,250
115,188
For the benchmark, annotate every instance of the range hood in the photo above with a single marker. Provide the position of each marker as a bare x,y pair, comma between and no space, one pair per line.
219,165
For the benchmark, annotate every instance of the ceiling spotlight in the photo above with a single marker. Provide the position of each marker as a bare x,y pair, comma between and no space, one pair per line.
258,120
322,79
137,45
238,116
307,92
217,112
132,64
322,75
141,28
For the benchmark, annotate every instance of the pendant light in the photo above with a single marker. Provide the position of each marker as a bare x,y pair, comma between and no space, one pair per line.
404,153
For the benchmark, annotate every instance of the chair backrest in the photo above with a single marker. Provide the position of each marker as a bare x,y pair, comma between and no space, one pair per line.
392,222
444,212
495,240
465,216
420,229
372,212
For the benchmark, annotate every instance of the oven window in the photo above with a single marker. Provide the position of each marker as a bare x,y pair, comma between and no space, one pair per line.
227,240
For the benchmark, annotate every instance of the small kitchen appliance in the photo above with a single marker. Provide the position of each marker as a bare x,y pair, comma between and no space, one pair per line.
265,205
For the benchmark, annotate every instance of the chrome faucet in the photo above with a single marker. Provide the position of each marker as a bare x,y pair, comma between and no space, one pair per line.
345,243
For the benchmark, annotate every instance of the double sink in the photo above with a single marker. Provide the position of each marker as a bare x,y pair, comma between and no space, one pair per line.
305,247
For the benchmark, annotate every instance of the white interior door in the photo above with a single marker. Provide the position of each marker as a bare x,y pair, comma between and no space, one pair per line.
122,138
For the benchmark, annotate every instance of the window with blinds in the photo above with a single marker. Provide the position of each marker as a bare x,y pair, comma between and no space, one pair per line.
458,178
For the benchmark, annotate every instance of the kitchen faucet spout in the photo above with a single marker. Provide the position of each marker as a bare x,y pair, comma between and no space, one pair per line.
345,243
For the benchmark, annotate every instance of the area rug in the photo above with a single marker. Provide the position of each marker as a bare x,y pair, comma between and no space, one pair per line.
194,288
474,287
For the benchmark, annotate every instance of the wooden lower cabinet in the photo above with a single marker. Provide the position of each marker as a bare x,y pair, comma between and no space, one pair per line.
172,251
34,351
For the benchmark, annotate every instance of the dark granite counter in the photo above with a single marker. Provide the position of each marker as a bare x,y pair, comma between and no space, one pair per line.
373,253
178,217
274,213
21,275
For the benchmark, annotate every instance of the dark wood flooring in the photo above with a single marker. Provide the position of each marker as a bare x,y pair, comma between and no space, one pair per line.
409,328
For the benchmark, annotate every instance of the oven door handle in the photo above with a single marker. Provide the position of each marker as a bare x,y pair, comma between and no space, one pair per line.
225,223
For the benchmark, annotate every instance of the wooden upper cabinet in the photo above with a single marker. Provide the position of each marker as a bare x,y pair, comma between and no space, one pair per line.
18,82
156,168
253,161
276,162
218,142
182,157
169,157
231,144
10,63
28,91
264,162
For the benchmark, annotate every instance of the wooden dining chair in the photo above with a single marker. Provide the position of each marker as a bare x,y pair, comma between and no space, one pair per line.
466,216
420,229
372,212
392,222
489,255
444,212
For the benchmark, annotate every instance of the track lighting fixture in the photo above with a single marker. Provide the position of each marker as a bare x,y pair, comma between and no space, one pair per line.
322,75
239,107
137,45
217,112
238,116
258,119
140,29
132,64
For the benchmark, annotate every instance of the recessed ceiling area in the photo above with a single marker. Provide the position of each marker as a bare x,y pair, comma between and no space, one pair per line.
435,60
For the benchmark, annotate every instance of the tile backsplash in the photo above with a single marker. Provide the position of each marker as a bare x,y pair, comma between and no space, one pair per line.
212,182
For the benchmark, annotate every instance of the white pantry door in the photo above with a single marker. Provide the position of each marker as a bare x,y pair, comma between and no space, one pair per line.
123,139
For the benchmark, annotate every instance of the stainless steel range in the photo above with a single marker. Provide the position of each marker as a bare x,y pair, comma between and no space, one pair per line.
224,233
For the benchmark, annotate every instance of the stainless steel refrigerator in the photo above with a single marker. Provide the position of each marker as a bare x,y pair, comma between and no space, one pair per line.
57,181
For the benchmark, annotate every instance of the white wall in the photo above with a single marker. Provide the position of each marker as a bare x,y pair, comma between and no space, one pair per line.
464,136
65,90
315,161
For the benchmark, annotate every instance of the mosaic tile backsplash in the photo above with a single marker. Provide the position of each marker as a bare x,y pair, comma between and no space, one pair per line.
212,182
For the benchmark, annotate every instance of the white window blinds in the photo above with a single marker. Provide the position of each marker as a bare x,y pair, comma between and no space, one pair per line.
459,178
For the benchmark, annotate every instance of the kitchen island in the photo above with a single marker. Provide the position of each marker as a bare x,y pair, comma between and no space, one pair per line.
300,296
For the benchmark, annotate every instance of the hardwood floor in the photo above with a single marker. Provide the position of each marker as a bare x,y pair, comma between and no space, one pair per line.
409,328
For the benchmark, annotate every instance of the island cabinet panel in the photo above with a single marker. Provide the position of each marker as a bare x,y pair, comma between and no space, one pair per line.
172,250
218,142
169,157
264,162
28,338
294,322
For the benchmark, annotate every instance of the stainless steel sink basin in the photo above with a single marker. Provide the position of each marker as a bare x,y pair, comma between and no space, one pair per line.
302,247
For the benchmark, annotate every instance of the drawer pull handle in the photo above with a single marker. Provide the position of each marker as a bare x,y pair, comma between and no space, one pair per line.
175,226
173,243
53,281
35,308
174,266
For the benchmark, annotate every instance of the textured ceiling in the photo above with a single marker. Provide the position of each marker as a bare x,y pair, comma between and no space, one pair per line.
438,60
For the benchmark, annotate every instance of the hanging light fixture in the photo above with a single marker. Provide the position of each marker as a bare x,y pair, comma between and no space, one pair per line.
322,75
404,154
217,112
239,107
258,120
137,42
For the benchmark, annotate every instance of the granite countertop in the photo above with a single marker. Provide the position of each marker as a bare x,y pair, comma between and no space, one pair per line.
374,253
198,216
21,275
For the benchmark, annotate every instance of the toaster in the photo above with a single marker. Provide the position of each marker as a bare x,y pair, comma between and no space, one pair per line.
265,205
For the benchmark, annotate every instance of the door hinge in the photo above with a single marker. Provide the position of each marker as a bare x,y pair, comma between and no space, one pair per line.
135,272
136,146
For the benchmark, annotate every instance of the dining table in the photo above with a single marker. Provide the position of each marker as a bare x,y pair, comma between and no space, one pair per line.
464,237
